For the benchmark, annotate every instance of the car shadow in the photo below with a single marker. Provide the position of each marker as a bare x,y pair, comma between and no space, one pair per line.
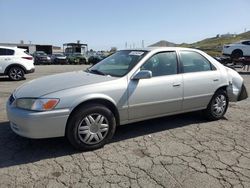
16,150
244,73
4,79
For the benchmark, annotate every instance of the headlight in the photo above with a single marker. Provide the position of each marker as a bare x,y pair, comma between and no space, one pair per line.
36,104
48,58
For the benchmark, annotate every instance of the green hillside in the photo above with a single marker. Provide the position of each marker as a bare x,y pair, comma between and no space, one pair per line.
213,46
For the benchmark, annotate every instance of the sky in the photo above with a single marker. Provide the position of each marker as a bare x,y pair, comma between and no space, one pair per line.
113,23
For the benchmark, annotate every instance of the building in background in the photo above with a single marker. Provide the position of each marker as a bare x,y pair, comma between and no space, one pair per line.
70,48
31,48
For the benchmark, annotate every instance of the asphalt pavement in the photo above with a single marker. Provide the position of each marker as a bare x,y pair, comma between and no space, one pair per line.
176,151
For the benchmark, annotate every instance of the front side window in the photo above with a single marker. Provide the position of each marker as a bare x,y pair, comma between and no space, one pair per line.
194,62
119,63
161,64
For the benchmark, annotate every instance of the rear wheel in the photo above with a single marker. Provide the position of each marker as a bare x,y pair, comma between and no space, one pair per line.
16,73
90,127
236,54
218,105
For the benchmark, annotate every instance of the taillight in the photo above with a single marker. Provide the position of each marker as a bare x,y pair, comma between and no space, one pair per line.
226,46
28,58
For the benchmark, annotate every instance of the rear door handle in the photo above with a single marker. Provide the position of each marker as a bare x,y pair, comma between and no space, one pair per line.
216,80
176,84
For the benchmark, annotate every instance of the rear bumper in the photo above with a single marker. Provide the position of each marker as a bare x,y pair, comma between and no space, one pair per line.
235,94
243,93
30,71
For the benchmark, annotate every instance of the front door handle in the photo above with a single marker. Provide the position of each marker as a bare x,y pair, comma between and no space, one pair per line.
216,80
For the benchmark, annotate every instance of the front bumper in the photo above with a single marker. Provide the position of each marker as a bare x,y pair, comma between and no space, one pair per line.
32,124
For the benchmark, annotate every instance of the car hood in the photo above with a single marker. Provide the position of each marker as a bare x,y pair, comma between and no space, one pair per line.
58,82
41,56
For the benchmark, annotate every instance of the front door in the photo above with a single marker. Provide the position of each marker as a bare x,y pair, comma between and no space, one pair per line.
162,94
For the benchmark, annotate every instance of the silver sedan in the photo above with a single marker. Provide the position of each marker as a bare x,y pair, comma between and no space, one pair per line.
128,86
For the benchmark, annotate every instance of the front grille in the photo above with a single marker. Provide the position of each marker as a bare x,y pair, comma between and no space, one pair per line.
11,99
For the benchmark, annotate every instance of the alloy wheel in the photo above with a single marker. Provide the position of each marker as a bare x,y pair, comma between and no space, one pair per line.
219,105
16,73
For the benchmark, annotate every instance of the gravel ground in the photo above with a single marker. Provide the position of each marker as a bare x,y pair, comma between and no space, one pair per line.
177,151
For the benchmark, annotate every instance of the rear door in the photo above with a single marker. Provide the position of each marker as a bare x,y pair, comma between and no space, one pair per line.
200,79
6,58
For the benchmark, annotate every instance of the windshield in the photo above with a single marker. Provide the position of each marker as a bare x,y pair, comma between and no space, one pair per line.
41,53
119,63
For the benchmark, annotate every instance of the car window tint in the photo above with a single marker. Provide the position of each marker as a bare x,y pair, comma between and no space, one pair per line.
246,42
9,52
194,62
119,63
161,64
4,51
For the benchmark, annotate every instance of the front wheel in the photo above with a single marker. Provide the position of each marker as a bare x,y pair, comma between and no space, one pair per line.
90,127
218,105
16,73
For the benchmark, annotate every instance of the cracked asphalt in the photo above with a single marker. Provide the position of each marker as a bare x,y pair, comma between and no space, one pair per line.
176,151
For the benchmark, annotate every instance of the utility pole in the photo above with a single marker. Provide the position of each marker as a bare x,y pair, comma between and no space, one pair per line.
142,43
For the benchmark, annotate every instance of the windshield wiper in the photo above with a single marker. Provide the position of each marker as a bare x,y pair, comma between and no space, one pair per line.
95,71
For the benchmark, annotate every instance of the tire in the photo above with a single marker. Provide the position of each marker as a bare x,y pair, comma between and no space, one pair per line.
236,54
217,107
16,73
90,127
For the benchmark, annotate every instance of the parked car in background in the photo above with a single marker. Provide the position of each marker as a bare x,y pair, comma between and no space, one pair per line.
76,58
86,106
95,59
40,57
15,62
238,49
58,58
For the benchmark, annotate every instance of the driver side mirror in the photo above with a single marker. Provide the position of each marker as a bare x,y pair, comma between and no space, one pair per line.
143,74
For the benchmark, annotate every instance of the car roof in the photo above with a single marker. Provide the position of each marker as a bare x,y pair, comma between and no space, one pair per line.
149,49
13,48
244,40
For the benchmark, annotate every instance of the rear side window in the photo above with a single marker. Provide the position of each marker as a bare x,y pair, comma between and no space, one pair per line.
4,51
246,42
194,62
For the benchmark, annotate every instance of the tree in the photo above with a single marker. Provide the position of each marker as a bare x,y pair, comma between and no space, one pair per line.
113,49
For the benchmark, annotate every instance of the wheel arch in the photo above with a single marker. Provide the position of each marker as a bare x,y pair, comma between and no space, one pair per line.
14,65
237,50
223,87
102,101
